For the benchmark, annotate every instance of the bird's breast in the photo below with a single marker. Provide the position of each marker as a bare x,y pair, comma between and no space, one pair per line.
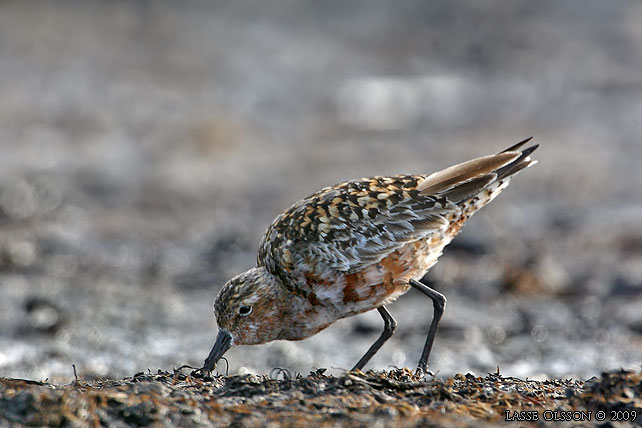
376,284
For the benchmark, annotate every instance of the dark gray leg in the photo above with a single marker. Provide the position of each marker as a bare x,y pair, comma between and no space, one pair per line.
439,304
388,328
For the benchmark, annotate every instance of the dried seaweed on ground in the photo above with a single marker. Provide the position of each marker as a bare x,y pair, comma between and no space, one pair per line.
385,398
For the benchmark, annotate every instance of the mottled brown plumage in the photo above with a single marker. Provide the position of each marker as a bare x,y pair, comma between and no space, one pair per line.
354,247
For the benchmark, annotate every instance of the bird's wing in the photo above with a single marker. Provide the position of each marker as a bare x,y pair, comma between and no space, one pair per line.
352,225
357,223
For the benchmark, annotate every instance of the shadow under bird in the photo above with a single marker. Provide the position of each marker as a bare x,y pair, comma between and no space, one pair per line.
354,247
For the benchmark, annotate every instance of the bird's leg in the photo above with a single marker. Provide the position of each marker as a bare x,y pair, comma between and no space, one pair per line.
439,304
388,328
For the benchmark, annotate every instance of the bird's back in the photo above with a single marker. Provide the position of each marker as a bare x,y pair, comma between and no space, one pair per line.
355,245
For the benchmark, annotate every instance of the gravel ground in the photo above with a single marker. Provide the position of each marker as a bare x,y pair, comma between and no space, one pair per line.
145,147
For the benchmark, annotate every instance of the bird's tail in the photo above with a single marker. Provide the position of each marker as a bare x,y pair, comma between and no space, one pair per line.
466,180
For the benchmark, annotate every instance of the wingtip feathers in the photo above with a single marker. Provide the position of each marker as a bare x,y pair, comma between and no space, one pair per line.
503,164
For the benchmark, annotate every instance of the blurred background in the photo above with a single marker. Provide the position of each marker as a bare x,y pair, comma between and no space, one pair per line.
145,146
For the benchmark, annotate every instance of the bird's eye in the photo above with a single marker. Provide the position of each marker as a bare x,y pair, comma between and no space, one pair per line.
245,311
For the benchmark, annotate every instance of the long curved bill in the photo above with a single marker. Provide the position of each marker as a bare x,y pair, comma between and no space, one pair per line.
222,344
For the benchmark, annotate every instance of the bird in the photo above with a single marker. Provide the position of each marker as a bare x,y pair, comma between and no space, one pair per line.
354,247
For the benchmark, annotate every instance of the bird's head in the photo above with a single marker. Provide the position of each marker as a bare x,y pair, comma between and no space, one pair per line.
249,310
